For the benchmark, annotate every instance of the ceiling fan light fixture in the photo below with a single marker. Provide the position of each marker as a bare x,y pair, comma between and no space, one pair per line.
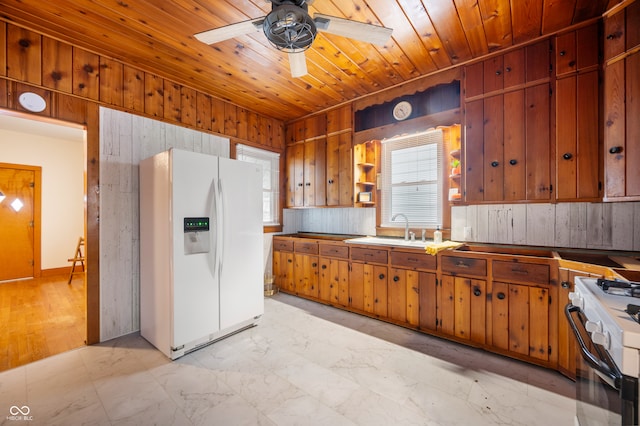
289,28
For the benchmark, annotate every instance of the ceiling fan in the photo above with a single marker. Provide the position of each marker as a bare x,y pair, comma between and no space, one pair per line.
289,28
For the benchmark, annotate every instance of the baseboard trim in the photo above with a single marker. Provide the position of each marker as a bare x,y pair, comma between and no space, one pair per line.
66,270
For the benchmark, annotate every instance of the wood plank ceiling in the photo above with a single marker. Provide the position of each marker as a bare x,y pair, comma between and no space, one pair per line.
428,35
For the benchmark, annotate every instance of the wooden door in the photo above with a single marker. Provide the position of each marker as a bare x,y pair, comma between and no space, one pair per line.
360,287
306,274
295,175
338,279
632,64
428,294
446,305
493,148
19,212
324,279
500,316
474,151
514,146
412,281
469,309
315,172
283,270
537,142
380,291
397,295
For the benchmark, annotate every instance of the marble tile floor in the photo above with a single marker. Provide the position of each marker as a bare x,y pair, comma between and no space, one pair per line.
305,364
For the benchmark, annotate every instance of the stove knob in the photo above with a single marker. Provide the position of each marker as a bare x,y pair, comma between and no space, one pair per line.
593,326
601,338
576,299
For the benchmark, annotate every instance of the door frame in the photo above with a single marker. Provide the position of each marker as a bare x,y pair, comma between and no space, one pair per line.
37,212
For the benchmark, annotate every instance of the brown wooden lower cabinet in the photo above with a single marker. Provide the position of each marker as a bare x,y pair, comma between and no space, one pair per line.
462,308
334,281
368,288
502,303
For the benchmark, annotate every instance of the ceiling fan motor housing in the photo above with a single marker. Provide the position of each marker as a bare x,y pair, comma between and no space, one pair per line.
289,27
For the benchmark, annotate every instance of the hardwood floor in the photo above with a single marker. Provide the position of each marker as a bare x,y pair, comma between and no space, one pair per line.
40,317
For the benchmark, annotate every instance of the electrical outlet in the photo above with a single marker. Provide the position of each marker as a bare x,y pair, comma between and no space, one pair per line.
467,233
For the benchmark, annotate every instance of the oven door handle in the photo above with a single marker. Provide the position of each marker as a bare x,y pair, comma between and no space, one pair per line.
605,368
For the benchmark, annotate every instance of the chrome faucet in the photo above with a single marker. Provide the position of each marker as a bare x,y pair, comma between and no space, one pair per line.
406,224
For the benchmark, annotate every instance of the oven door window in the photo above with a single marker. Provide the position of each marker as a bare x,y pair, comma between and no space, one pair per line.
597,403
603,395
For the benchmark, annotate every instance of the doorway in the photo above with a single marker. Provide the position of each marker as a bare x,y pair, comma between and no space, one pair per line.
46,314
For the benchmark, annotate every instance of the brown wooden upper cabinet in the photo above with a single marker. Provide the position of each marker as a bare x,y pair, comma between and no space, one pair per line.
621,104
318,160
577,97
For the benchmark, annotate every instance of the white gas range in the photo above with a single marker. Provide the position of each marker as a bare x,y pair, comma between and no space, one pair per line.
609,352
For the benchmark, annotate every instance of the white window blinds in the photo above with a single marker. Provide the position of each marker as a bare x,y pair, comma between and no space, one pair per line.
412,179
270,162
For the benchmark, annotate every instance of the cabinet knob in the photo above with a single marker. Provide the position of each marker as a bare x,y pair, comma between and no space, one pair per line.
615,150
289,261
501,296
562,53
300,184
494,164
567,156
572,64
565,284
498,72
381,276
396,278
314,264
508,69
308,183
477,292
513,162
324,266
611,36
330,180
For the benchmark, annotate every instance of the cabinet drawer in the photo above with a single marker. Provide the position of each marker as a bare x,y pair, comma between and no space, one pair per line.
306,247
334,251
368,255
282,245
464,265
517,271
405,259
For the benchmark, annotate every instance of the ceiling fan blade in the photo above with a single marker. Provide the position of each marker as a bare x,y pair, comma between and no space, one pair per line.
298,64
230,31
352,29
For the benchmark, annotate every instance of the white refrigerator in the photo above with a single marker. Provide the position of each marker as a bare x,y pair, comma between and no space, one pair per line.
201,249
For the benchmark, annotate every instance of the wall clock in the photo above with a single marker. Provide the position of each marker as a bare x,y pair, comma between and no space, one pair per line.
402,110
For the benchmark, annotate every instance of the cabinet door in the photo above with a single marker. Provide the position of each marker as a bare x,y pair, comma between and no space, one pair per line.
446,305
514,146
324,279
493,74
474,151
295,175
473,80
397,295
428,298
614,28
538,61
306,274
339,176
537,140
339,271
360,286
520,319
493,148
614,130
314,172
514,68
577,150
566,54
283,270
632,64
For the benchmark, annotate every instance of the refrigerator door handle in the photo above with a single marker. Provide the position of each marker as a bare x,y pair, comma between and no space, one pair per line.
220,248
213,211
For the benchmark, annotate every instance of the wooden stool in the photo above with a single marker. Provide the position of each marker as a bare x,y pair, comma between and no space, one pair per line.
78,257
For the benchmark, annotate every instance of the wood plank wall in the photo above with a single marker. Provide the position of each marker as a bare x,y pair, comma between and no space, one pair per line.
75,82
30,61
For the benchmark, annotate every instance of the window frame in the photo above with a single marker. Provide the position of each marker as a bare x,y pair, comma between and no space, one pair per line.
275,158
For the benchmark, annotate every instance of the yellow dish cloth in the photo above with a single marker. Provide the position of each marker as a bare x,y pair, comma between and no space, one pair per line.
434,248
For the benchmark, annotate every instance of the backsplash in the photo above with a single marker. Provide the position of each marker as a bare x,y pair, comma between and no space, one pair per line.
355,221
606,226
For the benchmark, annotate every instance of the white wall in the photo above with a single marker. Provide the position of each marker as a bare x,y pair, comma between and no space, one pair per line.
126,139
62,162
